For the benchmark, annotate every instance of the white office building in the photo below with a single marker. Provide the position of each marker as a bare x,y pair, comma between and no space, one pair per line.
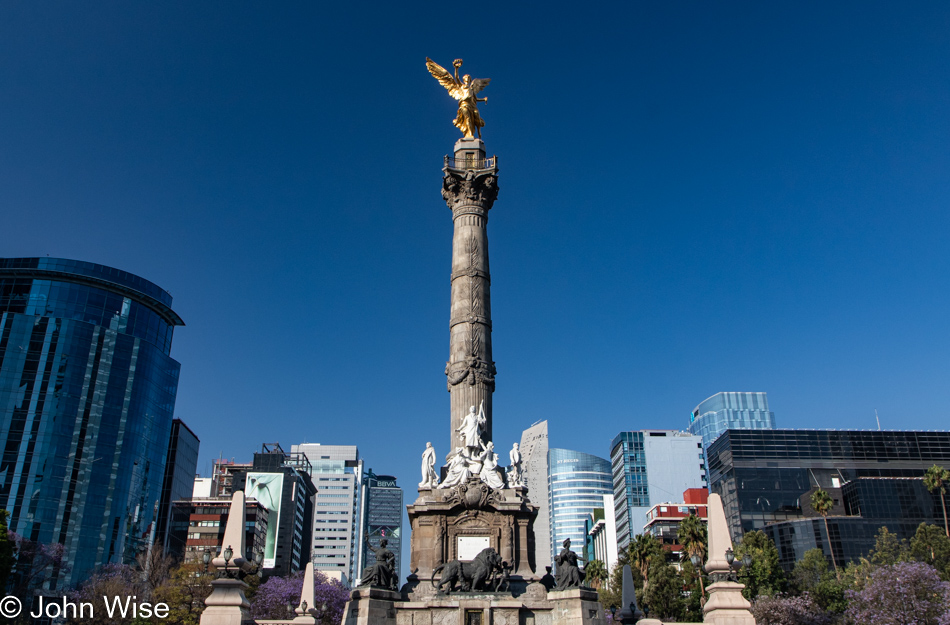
337,537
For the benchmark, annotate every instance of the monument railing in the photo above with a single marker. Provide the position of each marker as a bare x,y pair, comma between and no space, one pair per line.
477,164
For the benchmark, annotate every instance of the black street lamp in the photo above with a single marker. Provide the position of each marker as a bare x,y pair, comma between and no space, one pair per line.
228,554
698,565
736,565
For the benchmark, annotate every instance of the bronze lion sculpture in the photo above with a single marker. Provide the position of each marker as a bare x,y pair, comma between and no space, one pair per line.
470,576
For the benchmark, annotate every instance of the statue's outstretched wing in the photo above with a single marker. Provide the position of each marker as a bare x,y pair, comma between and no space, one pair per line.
445,79
480,83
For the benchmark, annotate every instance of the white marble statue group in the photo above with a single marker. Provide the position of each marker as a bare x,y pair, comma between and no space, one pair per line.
473,459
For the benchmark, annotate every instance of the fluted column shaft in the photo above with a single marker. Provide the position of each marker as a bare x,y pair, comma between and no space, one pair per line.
470,186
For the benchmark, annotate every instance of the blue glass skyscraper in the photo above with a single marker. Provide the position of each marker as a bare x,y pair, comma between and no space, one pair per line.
730,411
87,396
577,483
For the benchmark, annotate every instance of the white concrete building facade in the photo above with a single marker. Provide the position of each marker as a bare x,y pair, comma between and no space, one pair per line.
337,537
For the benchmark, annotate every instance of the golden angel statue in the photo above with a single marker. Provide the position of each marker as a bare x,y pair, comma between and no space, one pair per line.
465,91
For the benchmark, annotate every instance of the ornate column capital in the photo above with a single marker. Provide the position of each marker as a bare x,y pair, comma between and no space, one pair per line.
469,191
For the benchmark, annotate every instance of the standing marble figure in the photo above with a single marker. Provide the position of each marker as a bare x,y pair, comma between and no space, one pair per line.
471,427
514,471
429,477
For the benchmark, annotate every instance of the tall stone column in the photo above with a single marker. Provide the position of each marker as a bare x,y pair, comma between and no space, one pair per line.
470,186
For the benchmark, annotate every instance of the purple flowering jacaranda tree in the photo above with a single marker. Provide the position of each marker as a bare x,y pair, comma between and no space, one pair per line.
906,593
273,596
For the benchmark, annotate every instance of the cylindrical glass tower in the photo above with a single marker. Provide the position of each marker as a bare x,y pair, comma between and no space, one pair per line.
87,397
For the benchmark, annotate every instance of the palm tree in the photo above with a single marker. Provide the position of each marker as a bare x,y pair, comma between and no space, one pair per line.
692,536
936,478
821,502
642,551
595,572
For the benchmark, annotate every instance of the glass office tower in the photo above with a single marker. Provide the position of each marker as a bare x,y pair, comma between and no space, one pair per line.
577,483
382,517
87,396
875,478
730,411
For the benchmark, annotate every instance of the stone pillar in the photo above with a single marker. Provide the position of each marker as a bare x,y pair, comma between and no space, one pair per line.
227,605
469,187
726,605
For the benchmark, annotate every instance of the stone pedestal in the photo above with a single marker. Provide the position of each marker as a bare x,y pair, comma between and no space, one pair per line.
579,606
726,605
226,605
439,518
371,606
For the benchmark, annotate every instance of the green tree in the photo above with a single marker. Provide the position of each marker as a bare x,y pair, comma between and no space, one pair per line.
185,592
7,552
887,549
690,581
932,546
610,594
935,479
764,576
595,573
822,503
662,596
692,535
644,550
813,576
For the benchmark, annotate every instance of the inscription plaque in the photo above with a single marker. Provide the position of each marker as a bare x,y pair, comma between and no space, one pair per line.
471,546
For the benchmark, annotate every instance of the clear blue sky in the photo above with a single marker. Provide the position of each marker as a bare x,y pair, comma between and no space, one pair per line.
695,197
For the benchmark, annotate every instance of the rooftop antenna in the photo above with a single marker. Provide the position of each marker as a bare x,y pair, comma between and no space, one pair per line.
878,420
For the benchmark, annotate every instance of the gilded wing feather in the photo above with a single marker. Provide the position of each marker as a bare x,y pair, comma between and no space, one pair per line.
479,83
445,79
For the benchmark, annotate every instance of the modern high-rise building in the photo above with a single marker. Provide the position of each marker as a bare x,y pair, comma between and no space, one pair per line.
577,483
875,479
602,534
197,525
650,467
337,534
179,480
534,460
282,482
730,411
87,398
381,514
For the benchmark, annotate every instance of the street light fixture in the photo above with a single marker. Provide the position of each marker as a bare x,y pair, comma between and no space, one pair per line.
697,564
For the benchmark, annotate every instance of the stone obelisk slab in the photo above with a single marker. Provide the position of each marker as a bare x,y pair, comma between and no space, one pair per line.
227,604
726,605
469,187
